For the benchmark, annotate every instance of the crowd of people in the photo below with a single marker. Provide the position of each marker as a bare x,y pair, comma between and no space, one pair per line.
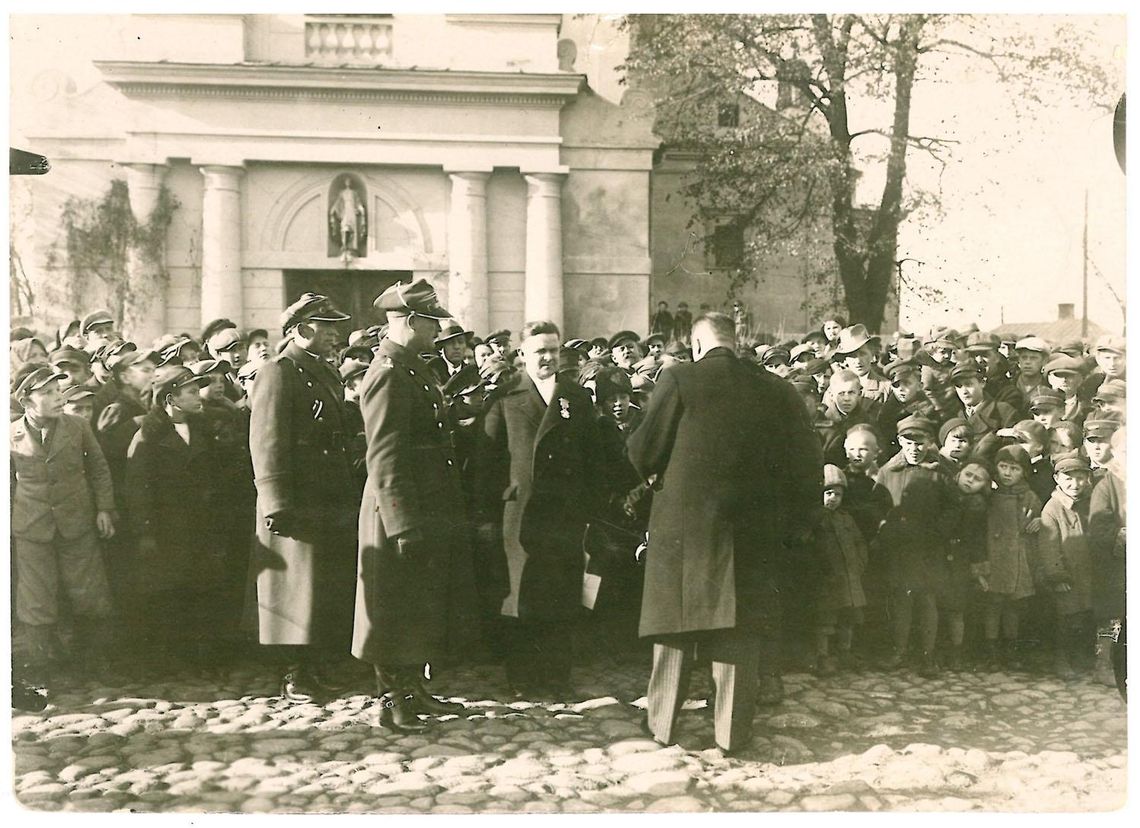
417,494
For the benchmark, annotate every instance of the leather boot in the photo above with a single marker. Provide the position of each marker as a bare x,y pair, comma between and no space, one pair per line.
398,713
927,666
433,705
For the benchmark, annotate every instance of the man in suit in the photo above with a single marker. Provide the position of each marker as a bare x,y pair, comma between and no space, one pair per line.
738,473
536,479
451,345
304,558
415,588
62,504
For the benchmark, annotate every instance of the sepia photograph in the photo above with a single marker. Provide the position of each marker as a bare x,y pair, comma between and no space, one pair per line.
524,411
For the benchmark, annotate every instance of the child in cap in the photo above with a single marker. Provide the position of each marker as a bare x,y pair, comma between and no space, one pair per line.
863,500
1065,375
1012,522
1097,446
1047,408
1034,438
954,437
965,554
1066,565
843,556
912,538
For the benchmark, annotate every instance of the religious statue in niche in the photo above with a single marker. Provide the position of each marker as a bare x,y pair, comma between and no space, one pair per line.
348,218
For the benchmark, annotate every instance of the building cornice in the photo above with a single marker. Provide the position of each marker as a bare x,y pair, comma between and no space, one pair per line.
338,84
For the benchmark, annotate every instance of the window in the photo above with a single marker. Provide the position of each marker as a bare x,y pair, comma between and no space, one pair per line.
728,246
728,115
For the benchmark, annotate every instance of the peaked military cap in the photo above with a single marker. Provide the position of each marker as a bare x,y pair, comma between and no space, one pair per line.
1064,364
99,317
69,356
170,378
224,340
965,371
313,307
1072,463
1100,429
35,380
77,392
1113,389
1046,399
916,424
217,326
417,298
1111,343
204,367
622,337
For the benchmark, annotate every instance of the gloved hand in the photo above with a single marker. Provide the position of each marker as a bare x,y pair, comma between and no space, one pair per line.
409,545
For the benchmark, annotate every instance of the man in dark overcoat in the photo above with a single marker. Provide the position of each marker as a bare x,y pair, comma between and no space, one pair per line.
305,552
738,473
537,478
415,593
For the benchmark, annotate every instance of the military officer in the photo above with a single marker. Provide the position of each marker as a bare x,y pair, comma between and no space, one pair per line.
415,583
303,557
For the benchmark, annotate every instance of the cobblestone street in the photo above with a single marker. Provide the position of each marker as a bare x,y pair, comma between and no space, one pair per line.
870,741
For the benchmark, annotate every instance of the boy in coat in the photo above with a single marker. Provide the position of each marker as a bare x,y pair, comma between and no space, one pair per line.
1066,564
919,481
842,555
62,504
984,416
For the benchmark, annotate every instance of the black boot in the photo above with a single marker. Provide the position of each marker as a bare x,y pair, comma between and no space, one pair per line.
298,686
1012,654
398,713
433,705
989,662
927,666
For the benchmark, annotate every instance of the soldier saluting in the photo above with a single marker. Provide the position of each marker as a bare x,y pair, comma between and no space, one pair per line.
415,589
304,558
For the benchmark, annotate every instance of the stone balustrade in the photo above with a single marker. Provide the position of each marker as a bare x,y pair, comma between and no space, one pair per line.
356,40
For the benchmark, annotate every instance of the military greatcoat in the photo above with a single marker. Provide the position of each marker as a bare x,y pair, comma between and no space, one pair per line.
302,472
417,603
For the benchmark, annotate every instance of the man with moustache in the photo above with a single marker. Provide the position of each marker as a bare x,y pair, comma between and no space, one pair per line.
537,477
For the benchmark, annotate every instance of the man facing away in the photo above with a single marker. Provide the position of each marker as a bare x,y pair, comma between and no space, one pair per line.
738,471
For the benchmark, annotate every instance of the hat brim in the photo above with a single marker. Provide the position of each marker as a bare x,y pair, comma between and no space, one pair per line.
855,346
441,339
909,432
326,316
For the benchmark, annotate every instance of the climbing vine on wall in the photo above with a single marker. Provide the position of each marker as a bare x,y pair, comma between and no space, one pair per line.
100,238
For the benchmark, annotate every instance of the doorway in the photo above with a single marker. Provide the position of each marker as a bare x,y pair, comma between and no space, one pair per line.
352,291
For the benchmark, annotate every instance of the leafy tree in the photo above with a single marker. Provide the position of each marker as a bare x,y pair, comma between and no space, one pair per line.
785,174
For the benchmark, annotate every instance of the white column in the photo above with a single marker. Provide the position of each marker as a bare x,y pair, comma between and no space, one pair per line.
221,244
542,297
144,314
467,293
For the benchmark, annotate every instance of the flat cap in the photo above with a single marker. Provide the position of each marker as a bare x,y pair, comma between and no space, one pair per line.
1064,364
901,368
248,370
949,426
775,354
406,299
169,378
36,380
78,392
1072,463
351,368
450,331
1100,429
311,307
361,352
461,384
205,367
804,349
215,326
677,348
95,318
224,340
1113,389
500,334
1046,399
917,424
622,337
965,371
1032,430
982,341
576,345
256,333
1032,343
655,336
833,476
1109,342
815,336
1074,348
942,337
68,355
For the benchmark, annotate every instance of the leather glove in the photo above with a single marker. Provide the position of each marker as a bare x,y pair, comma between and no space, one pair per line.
286,524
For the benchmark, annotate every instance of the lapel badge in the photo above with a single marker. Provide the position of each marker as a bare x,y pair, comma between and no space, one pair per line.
564,408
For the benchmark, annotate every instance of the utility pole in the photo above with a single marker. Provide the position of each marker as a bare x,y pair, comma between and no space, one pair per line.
1085,273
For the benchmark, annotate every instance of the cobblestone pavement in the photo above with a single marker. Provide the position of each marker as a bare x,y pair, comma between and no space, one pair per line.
869,741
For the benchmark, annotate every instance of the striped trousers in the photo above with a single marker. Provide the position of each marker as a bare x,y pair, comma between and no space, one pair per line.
735,658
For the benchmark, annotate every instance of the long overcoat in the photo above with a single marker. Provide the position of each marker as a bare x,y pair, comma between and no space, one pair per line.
1010,550
169,500
739,470
911,540
1108,509
417,605
297,441
538,473
1063,546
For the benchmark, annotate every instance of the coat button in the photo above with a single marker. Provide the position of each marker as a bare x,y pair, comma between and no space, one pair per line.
450,463
439,425
426,388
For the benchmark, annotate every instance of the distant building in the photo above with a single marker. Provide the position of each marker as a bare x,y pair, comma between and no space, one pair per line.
1065,328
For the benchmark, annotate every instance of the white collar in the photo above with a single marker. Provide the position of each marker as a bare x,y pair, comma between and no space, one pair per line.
545,387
